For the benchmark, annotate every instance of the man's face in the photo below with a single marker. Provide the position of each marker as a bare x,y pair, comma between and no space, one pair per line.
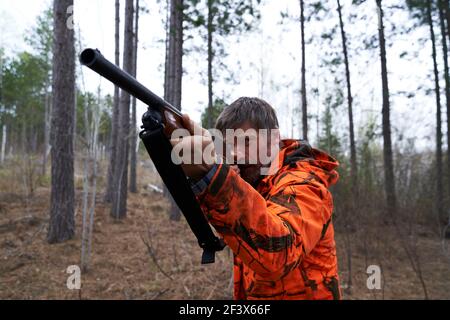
252,150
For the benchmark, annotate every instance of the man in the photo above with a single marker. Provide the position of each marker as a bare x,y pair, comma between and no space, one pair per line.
279,226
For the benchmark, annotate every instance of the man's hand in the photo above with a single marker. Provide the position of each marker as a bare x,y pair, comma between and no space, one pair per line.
199,144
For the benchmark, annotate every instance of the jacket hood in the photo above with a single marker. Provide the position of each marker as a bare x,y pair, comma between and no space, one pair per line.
300,154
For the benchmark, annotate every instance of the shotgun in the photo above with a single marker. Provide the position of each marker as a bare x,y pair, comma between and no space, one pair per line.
155,138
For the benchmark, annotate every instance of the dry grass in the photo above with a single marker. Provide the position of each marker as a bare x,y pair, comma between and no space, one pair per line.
122,268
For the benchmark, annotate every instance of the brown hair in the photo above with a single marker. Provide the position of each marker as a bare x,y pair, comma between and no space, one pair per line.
257,111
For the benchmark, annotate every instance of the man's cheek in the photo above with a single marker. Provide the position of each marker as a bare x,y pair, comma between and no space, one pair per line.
251,156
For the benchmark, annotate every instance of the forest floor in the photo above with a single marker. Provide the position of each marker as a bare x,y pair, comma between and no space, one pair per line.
146,256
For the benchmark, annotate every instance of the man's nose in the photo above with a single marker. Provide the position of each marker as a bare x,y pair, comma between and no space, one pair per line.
233,154
237,155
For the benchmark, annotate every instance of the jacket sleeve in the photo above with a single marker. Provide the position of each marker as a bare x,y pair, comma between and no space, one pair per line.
271,237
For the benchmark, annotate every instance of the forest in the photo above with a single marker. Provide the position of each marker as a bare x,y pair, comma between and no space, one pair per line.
367,81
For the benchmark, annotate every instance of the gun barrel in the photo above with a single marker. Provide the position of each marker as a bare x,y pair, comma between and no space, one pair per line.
93,59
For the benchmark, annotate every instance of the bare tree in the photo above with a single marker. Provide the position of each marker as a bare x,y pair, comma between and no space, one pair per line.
3,144
439,183
115,114
62,203
174,71
47,123
303,86
3,147
447,78
133,133
92,125
210,62
353,163
389,182
120,181
446,7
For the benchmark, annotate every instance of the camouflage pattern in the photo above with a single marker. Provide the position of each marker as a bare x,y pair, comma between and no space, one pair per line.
281,234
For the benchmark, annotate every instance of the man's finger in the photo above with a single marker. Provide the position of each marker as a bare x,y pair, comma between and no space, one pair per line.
194,128
174,142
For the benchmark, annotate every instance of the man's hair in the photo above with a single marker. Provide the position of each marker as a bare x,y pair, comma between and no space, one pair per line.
257,111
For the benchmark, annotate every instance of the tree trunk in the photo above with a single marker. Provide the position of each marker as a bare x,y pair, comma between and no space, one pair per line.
178,54
167,64
447,81
93,180
439,183
389,183
174,73
303,86
115,114
90,180
62,203
445,4
133,142
3,147
120,181
210,64
168,71
353,163
47,120
84,227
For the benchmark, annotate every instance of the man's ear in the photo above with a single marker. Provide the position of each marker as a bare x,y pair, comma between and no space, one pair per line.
274,142
276,136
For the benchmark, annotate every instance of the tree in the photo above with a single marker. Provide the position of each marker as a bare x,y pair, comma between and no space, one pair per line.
62,202
439,183
115,114
24,84
329,140
2,122
353,163
133,142
303,71
120,179
41,39
389,181
446,9
174,57
92,114
447,79
174,71
423,11
218,106
222,19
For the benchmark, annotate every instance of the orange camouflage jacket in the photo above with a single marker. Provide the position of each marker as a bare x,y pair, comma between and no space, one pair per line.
281,234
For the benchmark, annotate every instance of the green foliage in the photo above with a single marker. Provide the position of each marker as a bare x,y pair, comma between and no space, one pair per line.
91,102
3,64
227,16
218,106
369,153
24,79
329,140
418,10
41,36
25,88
